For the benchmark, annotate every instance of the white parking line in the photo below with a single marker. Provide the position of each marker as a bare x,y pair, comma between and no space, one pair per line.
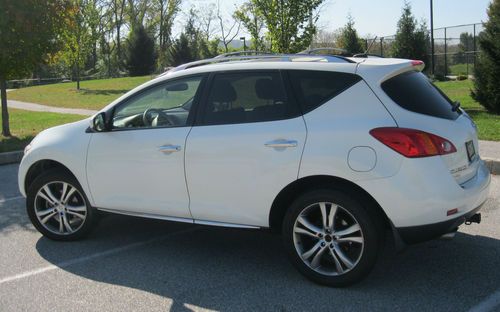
489,304
91,257
9,199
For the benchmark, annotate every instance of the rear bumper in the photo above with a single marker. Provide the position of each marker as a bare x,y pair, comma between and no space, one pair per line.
418,198
422,233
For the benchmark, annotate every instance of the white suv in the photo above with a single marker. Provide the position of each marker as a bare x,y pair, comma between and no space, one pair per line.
331,151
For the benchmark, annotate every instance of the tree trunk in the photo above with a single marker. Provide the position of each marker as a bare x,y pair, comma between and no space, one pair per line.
5,112
78,77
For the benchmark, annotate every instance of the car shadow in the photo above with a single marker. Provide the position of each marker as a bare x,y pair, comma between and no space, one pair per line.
232,269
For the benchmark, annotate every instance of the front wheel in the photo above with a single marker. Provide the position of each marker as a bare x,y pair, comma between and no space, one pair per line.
331,238
57,206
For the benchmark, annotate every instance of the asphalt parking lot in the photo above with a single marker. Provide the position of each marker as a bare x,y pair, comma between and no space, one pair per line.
132,264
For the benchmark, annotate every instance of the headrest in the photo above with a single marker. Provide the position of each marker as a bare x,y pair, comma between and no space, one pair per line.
267,89
223,91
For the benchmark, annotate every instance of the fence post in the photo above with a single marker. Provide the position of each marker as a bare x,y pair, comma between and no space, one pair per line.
382,46
474,45
445,54
432,40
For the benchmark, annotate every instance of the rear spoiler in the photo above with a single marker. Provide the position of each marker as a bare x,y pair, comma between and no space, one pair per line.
377,70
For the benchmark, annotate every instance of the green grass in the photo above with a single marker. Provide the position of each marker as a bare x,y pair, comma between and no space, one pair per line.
461,69
460,91
93,94
24,125
488,124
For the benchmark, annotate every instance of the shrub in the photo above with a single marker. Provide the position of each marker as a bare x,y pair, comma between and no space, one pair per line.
487,70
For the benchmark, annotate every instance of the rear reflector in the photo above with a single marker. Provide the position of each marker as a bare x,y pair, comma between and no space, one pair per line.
413,143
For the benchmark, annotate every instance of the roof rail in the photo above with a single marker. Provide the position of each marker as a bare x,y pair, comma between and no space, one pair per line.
341,52
271,57
249,52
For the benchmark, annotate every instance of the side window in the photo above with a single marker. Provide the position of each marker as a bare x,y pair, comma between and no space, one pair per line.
246,97
314,88
165,105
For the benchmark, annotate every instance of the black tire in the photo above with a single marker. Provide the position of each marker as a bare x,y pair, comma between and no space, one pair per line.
54,177
366,254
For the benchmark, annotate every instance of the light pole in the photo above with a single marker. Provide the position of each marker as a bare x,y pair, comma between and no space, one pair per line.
432,39
244,43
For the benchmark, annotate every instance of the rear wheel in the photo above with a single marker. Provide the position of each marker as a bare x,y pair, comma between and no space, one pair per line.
331,238
57,206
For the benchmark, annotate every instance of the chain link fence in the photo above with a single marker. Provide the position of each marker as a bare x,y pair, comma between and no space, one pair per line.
455,49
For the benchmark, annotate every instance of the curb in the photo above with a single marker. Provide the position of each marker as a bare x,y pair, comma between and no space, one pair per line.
11,157
493,165
15,157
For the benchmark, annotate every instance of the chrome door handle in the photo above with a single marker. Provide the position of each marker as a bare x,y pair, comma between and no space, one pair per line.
168,149
281,143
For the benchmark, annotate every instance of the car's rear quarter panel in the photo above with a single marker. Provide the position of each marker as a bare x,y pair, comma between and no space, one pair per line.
341,124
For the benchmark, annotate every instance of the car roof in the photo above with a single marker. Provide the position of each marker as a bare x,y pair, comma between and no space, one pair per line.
373,68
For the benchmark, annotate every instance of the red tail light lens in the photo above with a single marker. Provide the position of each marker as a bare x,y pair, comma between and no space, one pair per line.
413,143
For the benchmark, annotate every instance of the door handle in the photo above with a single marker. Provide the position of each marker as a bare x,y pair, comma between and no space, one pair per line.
281,143
168,149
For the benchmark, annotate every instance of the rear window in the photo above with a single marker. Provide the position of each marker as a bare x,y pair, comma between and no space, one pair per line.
413,91
313,88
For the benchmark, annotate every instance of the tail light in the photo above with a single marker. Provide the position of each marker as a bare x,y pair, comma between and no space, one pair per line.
413,143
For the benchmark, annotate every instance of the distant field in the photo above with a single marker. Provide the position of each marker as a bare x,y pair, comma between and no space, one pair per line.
461,69
24,125
488,124
94,94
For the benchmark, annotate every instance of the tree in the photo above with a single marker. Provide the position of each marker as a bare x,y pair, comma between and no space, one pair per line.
180,51
168,10
77,38
290,23
137,10
28,34
324,38
118,12
466,44
227,34
141,55
412,40
253,21
348,39
200,47
487,70
207,16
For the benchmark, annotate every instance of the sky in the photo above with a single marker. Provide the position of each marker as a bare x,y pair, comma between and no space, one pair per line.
379,17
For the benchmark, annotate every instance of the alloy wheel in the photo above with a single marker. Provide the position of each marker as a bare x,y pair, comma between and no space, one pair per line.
60,208
328,238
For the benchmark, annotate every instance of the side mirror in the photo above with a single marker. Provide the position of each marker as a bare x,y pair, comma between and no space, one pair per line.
99,123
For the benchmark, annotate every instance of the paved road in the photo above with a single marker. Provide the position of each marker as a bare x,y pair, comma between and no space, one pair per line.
131,264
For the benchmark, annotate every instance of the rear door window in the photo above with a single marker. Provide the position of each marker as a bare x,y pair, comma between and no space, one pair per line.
314,88
244,97
414,91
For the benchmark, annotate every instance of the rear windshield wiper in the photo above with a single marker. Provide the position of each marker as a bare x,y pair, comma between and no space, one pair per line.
455,106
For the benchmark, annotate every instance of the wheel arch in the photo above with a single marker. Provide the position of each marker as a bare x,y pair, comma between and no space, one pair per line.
288,194
42,165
